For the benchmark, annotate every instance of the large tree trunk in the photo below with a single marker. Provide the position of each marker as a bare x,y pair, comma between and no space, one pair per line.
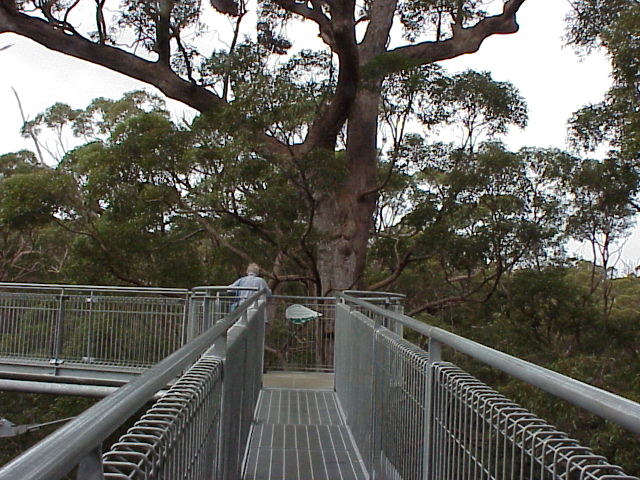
344,216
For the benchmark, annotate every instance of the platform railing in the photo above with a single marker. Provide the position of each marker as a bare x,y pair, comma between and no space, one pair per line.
309,345
124,326
181,428
208,305
414,416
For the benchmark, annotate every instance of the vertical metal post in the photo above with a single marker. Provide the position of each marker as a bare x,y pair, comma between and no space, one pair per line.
225,467
89,352
218,313
206,312
398,307
435,355
192,319
263,339
90,467
186,319
219,350
57,349
376,408
234,399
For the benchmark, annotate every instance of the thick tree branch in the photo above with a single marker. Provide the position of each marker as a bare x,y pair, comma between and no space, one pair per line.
110,57
377,35
325,130
163,29
464,40
118,60
314,14
101,24
402,264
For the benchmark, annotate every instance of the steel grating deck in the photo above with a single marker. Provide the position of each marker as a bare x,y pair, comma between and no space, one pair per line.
300,435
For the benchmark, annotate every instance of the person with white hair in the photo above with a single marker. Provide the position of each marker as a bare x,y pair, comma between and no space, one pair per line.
250,280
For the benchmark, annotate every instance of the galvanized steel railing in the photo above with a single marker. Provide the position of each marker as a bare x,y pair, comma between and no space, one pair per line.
304,346
416,417
309,346
68,327
201,425
134,327
209,305
177,437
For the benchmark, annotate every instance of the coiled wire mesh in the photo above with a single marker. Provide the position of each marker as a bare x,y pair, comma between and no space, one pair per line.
413,419
177,437
480,434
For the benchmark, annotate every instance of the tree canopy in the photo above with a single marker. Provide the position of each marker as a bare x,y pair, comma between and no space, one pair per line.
311,111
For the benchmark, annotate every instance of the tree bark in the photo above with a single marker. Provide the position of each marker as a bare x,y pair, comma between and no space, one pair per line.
344,217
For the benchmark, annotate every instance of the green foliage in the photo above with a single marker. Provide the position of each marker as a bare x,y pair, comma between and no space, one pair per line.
434,17
488,209
31,199
552,318
482,105
284,99
28,409
614,122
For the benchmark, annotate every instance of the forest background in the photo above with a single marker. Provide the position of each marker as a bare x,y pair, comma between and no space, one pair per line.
328,168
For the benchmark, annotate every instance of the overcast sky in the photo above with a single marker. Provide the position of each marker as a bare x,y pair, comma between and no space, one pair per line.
552,78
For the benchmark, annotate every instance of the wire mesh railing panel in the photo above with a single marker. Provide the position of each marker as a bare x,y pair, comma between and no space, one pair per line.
134,331
206,310
426,419
199,429
108,328
304,345
354,376
400,406
480,434
28,325
178,437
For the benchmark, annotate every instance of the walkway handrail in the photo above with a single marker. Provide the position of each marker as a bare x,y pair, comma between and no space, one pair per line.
374,293
609,406
95,288
203,289
57,454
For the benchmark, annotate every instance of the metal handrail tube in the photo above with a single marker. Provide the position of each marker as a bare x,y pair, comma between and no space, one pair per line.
58,453
609,406
60,286
302,297
220,288
375,293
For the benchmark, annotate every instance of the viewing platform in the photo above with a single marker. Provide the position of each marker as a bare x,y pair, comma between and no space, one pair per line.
347,396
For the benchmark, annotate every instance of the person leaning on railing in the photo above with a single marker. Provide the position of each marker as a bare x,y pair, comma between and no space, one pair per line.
250,280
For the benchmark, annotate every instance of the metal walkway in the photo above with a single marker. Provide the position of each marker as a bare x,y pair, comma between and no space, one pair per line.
301,435
391,411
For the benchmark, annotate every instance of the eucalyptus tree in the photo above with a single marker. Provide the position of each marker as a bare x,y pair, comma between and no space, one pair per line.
158,203
469,209
341,131
123,216
32,196
606,191
615,121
